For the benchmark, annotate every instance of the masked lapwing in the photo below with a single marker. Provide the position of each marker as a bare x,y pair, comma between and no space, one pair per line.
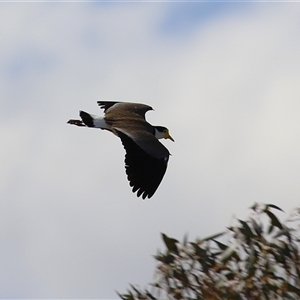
146,158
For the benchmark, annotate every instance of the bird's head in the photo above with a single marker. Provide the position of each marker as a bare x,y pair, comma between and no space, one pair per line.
162,133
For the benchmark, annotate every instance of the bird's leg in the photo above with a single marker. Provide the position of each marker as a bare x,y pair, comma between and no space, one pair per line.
76,122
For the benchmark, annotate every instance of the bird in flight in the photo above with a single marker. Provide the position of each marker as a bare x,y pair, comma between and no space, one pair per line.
146,159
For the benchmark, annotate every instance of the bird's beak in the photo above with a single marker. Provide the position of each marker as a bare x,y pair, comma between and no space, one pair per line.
167,136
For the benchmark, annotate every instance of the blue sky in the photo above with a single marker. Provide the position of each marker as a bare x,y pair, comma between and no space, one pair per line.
182,18
224,78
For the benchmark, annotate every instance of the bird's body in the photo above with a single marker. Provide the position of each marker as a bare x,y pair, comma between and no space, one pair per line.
146,158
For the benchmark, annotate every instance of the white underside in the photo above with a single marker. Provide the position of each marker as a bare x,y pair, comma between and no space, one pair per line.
99,122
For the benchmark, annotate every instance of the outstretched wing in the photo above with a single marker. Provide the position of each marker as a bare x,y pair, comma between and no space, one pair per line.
116,110
144,171
106,104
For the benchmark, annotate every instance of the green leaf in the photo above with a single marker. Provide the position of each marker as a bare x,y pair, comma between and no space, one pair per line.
257,227
170,243
198,250
136,290
166,259
285,231
212,237
128,296
271,227
150,296
247,230
181,276
252,254
273,206
274,221
220,245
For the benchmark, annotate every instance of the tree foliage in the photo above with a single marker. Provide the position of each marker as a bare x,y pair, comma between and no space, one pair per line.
254,259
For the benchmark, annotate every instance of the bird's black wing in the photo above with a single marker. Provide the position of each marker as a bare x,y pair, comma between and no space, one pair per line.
144,172
119,110
106,104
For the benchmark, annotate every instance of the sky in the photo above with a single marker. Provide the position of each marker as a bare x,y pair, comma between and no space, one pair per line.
223,77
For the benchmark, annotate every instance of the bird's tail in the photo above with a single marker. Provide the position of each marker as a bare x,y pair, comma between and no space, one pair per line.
93,120
87,119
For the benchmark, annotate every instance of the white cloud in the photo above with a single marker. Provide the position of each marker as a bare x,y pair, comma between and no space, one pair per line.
228,91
